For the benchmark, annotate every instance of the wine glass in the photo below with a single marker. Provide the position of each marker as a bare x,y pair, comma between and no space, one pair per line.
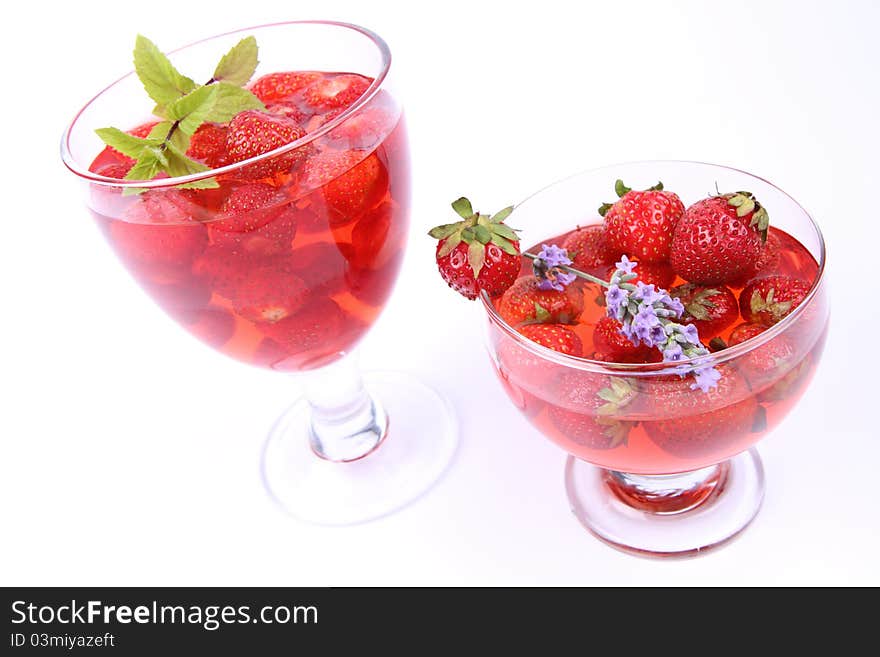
287,264
664,469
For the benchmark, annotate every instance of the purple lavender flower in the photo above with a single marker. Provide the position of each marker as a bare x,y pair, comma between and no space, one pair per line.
553,256
625,265
615,302
705,378
644,323
547,267
647,315
673,353
647,294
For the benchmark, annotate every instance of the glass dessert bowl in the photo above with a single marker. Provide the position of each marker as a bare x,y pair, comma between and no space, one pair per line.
278,243
656,465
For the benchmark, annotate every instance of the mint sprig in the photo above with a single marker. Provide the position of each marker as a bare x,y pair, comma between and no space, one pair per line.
184,106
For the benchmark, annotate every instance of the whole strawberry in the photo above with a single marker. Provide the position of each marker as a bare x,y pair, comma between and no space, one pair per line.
766,262
710,309
641,223
557,337
278,86
478,253
346,182
253,133
588,408
773,368
525,301
719,238
588,249
706,425
767,300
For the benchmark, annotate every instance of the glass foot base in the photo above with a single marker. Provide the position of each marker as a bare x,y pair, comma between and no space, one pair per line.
667,516
418,446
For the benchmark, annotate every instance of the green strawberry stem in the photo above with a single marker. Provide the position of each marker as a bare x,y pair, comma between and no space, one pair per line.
576,272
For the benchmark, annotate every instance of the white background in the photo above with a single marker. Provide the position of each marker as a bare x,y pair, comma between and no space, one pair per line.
130,451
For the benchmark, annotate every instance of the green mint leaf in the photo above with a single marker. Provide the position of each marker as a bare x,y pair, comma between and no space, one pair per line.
160,131
205,183
193,109
161,80
125,143
238,65
179,164
146,168
230,100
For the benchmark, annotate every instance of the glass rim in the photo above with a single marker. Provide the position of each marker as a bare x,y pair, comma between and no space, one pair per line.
664,368
83,172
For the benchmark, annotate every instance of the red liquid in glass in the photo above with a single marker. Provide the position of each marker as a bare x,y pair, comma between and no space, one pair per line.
661,433
293,273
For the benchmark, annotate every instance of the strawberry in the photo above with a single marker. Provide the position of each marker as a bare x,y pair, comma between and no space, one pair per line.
641,223
337,91
557,337
767,300
478,253
767,260
648,356
253,133
112,169
373,285
614,347
710,309
347,183
695,424
588,406
522,370
247,208
770,368
321,266
159,232
208,145
213,326
744,332
588,249
524,301
363,131
304,334
658,274
267,294
719,239
268,291
184,295
278,86
369,236
289,111
250,221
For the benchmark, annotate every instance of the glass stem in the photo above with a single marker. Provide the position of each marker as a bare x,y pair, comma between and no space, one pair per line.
346,422
666,494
